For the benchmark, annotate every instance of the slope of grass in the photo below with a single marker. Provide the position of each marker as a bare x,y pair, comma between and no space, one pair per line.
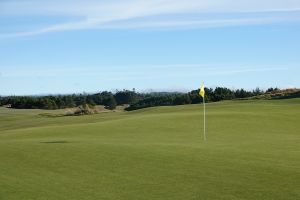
252,152
279,94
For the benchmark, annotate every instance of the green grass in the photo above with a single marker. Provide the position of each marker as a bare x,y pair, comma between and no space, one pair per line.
252,152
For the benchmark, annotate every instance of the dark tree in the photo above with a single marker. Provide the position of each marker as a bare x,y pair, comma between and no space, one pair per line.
126,97
110,103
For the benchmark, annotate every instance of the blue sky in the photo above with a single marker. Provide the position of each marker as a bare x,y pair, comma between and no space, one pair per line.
171,45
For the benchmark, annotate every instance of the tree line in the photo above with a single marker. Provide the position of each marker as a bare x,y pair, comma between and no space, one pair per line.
211,95
108,99
134,99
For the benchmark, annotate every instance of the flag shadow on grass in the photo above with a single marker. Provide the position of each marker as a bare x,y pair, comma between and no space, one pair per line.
56,142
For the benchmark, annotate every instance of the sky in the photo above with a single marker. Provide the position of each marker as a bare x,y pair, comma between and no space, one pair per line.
72,46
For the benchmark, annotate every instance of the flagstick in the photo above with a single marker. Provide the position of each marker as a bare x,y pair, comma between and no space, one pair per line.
204,133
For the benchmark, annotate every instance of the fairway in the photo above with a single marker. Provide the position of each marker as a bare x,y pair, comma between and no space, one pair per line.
252,152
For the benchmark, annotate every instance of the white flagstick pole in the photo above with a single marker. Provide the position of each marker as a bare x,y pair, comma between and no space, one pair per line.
204,133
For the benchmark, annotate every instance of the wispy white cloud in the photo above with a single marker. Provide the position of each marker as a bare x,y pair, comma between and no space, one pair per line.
139,14
148,72
140,7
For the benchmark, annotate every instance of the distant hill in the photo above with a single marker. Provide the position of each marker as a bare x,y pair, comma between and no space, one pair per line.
279,94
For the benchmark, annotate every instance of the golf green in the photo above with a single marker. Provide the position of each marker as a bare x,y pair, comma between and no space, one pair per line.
252,152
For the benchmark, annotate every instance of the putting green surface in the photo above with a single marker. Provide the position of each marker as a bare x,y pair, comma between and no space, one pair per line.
252,152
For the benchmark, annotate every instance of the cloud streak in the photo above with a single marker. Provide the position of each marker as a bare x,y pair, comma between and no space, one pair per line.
149,72
154,14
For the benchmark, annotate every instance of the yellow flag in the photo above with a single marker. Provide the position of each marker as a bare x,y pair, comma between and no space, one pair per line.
202,92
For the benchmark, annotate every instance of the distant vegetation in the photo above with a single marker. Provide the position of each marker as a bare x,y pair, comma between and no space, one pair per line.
279,94
136,100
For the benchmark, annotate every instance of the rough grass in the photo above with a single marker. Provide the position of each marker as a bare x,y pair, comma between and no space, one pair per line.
279,94
252,152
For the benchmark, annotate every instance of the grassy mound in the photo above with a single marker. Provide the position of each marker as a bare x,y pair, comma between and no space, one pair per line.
279,94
